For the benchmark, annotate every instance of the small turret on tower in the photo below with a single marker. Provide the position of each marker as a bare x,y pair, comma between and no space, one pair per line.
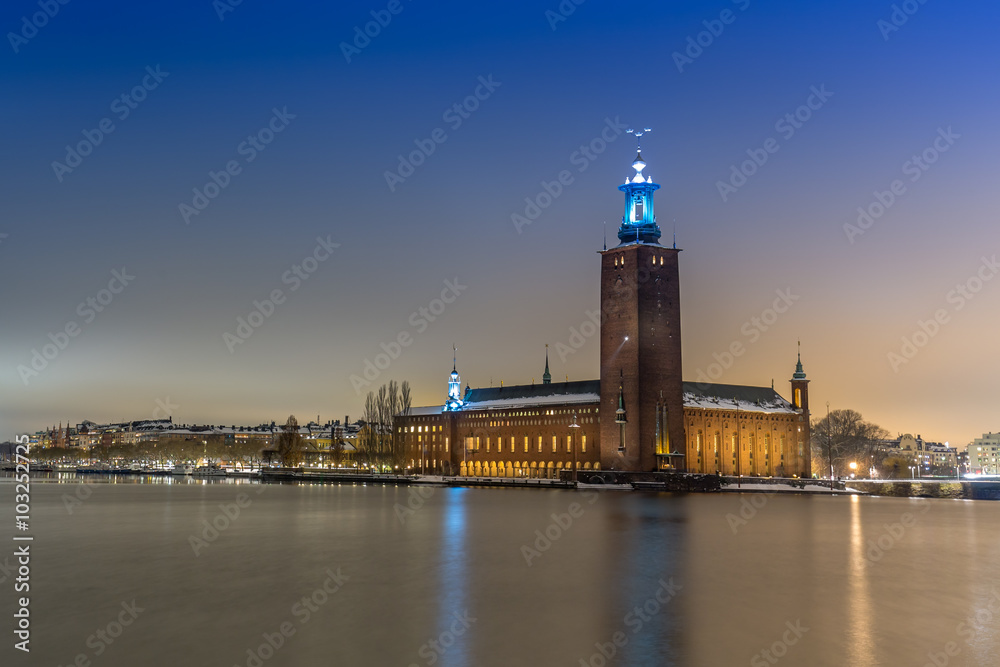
454,401
546,376
800,385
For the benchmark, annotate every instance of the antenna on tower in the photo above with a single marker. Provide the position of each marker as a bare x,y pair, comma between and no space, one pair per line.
605,234
675,233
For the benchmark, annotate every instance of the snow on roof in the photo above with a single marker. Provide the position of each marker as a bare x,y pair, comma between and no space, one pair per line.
706,396
730,397
693,401
428,410
528,401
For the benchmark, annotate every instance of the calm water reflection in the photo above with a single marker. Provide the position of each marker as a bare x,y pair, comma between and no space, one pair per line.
448,583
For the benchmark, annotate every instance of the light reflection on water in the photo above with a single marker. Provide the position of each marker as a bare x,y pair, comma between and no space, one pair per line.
860,642
454,624
460,552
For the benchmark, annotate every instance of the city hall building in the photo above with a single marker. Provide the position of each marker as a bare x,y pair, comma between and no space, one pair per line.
640,416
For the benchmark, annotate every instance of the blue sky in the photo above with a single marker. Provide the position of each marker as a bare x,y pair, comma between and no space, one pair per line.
555,84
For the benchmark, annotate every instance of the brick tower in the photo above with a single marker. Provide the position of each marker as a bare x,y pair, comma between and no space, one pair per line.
642,405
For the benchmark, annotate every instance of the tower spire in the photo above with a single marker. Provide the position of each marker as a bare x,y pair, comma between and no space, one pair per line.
546,376
799,373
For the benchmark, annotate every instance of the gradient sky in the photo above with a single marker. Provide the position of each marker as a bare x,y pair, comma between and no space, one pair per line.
160,341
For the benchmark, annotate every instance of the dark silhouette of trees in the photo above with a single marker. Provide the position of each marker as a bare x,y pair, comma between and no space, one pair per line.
844,437
378,444
289,443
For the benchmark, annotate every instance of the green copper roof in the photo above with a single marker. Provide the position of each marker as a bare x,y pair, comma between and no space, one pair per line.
799,373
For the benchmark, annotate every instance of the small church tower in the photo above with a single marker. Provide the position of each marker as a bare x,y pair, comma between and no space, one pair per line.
454,401
800,401
800,386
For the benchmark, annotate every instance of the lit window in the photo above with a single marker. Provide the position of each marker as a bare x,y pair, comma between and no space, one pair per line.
583,444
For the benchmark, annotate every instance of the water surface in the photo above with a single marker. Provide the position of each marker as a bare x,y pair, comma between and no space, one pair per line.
393,578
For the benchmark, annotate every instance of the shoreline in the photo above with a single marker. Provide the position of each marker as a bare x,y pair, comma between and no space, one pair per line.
603,481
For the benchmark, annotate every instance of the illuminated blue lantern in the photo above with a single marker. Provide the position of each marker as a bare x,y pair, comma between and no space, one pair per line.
639,221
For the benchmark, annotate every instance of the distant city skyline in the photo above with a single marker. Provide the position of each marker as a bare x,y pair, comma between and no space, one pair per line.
234,215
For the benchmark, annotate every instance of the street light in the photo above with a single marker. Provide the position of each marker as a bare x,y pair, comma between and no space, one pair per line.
739,445
574,425
829,444
854,467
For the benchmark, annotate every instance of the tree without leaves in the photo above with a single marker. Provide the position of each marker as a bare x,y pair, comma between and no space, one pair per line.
289,443
337,443
844,437
378,444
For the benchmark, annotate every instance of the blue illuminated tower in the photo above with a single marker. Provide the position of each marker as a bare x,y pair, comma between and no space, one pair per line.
454,401
639,221
642,402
